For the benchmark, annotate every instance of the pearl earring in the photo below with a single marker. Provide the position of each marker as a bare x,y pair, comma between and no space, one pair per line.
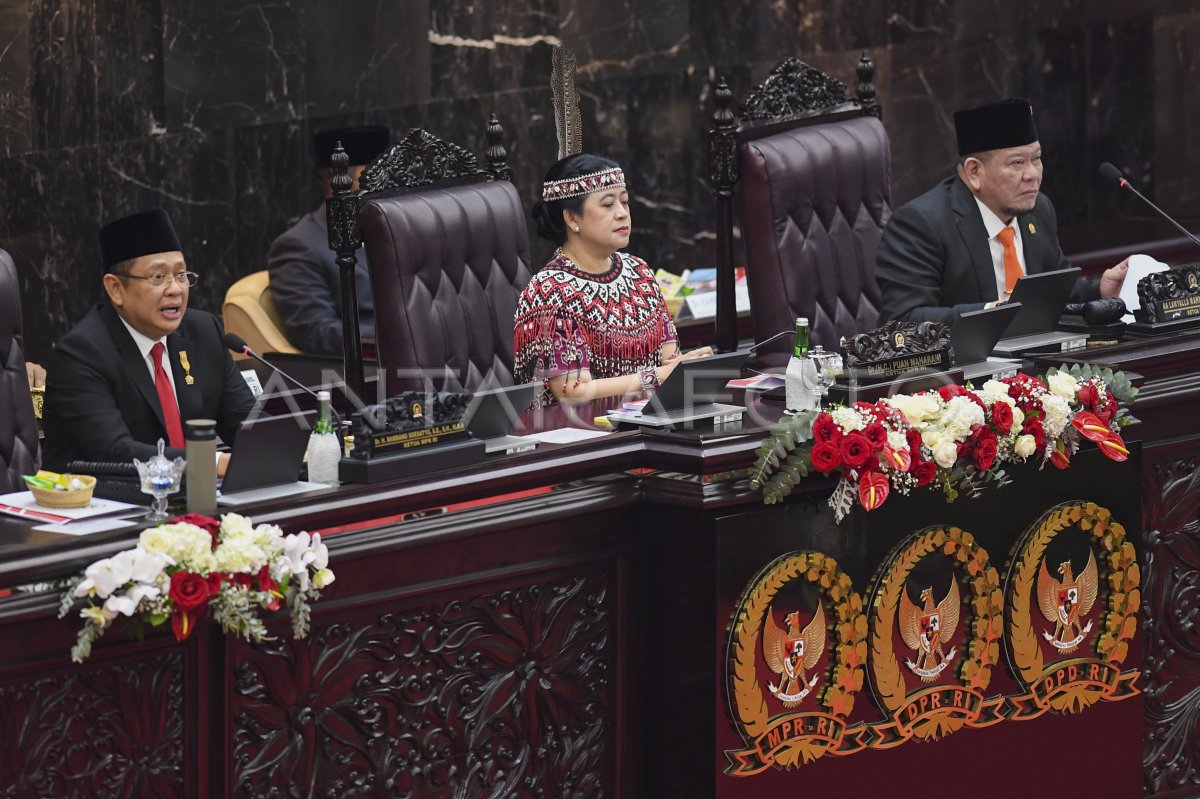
577,228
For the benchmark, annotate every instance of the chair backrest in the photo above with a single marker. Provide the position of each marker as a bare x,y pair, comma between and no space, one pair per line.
18,427
813,177
249,312
448,253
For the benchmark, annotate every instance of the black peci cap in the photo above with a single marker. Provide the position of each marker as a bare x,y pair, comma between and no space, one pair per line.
996,126
361,144
133,236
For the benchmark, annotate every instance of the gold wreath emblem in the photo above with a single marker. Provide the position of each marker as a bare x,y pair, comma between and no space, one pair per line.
843,676
984,608
1118,569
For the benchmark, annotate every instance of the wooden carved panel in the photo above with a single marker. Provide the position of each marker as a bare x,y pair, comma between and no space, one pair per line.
502,694
99,730
1171,604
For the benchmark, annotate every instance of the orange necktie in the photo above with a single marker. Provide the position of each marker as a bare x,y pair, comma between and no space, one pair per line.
166,398
1012,266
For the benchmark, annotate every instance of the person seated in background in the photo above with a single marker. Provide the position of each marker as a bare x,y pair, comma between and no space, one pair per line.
592,322
140,364
304,277
962,245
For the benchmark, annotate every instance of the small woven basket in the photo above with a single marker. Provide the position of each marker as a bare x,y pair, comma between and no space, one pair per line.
71,498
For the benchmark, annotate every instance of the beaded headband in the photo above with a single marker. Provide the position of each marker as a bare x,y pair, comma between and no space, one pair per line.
583,184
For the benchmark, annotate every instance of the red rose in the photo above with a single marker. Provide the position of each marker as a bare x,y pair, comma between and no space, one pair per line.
1002,417
1108,408
240,579
913,436
1033,427
206,523
948,393
985,452
214,583
855,450
876,434
265,583
825,457
924,471
824,428
189,591
1088,396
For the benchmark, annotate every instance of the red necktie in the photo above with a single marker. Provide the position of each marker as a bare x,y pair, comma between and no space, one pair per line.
166,398
1012,266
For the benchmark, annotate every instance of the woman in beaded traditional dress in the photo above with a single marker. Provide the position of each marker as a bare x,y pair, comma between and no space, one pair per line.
593,322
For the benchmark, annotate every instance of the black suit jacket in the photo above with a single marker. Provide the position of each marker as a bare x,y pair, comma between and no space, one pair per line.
934,261
306,287
101,404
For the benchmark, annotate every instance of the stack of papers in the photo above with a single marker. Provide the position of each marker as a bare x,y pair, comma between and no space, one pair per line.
23,505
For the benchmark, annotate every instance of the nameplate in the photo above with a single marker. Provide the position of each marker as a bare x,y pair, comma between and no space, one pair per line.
1181,308
938,360
396,441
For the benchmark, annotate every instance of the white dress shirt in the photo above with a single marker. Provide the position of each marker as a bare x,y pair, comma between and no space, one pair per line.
144,345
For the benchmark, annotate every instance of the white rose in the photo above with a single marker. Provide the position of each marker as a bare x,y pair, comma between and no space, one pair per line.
1063,385
933,437
154,540
960,416
1024,446
996,387
1018,418
945,454
916,409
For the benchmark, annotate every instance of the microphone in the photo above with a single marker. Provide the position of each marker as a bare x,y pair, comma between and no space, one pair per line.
1113,175
236,343
767,341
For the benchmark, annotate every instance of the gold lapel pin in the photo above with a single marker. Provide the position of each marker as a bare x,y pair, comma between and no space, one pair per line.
187,368
1032,229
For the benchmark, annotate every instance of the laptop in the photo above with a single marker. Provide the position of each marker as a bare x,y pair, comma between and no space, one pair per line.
692,393
493,413
266,458
974,336
1042,298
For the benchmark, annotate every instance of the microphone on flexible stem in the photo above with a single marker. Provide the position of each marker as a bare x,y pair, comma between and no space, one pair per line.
236,343
767,341
1113,175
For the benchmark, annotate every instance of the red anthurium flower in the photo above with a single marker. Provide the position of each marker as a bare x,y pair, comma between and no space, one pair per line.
897,459
1090,427
1059,457
873,489
1114,447
182,624
265,583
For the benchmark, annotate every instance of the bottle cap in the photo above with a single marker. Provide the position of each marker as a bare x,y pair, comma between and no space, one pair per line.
200,429
802,320
323,394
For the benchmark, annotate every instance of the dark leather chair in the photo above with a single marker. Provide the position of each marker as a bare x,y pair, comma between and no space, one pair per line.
812,173
18,428
448,253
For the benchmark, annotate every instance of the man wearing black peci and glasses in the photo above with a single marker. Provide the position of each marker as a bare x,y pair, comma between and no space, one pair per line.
140,364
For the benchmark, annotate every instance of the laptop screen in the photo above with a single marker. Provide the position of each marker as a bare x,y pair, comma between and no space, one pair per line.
268,451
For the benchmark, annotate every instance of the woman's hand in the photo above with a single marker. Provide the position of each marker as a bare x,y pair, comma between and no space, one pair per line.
669,365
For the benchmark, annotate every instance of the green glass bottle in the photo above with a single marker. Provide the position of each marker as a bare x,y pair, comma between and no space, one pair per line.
800,380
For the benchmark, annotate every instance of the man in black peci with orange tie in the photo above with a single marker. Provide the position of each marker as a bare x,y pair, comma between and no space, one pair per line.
140,364
962,245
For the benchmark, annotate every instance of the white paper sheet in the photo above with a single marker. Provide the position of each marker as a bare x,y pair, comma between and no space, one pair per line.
567,435
1139,266
22,503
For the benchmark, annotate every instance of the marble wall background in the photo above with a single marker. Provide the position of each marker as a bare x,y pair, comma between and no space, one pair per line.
205,108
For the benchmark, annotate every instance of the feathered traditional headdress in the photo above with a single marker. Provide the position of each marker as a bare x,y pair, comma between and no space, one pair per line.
566,102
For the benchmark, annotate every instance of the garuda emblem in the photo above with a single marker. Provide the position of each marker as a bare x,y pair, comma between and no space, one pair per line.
926,629
1066,602
790,653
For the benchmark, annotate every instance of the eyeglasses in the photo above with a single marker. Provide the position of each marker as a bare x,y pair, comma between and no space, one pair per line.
159,278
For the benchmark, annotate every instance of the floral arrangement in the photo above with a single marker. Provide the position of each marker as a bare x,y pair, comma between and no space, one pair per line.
194,565
956,439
